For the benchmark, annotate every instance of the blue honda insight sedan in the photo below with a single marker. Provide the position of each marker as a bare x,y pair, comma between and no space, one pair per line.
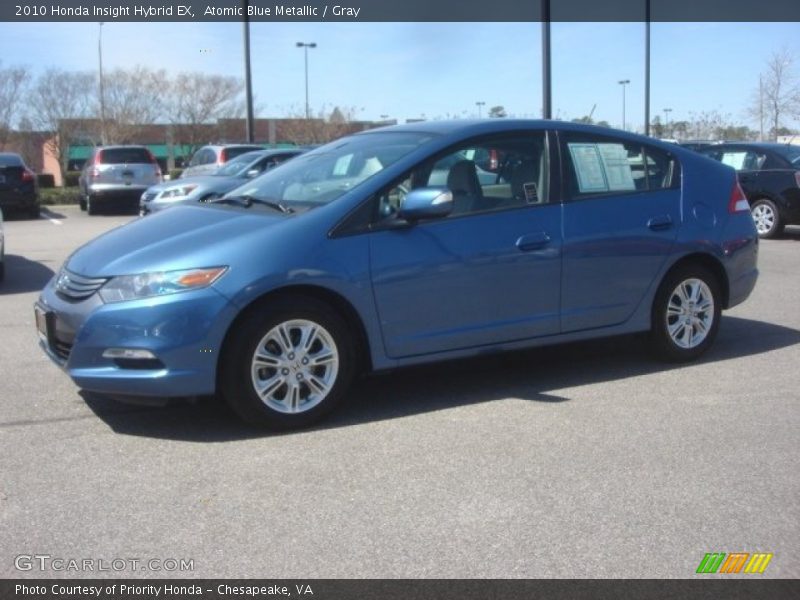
385,249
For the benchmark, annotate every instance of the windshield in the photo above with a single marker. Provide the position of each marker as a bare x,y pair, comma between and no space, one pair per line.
237,165
326,173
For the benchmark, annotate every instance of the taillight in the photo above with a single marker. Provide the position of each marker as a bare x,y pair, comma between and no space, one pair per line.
98,159
738,201
223,157
27,176
154,162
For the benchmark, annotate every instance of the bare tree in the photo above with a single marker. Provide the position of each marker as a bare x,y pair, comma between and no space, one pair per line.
60,102
196,101
12,83
322,127
778,94
133,100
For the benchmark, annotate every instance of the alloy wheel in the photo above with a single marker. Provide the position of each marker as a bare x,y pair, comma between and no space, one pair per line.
294,366
690,313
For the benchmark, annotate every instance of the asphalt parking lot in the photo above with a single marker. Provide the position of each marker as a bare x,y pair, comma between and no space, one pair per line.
587,460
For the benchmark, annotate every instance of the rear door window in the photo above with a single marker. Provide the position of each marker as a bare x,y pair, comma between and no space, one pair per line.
600,165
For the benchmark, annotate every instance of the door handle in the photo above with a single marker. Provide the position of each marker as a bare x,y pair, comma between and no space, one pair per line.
533,241
660,223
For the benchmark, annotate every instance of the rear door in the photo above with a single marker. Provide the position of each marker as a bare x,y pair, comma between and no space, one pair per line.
621,217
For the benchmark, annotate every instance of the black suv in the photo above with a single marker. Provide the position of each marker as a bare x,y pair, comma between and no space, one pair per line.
19,190
770,177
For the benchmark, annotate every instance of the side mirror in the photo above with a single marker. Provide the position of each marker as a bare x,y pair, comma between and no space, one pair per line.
426,203
252,173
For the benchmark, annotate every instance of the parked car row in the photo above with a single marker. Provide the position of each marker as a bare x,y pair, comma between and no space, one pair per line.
202,188
390,248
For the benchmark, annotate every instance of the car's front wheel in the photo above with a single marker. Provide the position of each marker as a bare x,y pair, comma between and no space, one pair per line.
766,218
686,313
287,363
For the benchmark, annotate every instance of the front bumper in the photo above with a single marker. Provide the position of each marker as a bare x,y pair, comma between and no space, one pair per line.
184,331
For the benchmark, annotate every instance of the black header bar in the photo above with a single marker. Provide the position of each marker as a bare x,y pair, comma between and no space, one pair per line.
397,10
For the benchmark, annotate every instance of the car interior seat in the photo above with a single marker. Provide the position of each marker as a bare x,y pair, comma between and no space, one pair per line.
462,181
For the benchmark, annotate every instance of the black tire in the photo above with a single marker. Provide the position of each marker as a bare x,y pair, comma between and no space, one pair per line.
91,206
767,218
695,319
2,268
82,203
35,212
239,371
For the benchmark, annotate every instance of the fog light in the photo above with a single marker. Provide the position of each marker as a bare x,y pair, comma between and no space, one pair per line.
128,353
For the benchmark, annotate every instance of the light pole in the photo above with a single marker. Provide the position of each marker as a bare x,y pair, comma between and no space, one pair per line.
479,104
248,79
305,47
623,83
102,93
666,120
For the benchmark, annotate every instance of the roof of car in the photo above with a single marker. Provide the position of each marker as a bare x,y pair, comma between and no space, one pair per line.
764,145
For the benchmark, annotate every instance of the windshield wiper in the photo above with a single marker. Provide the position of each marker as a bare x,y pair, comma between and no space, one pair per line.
248,201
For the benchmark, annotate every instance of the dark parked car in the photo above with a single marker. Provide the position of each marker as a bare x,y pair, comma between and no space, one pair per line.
2,249
698,145
346,259
19,191
209,158
115,177
770,177
203,188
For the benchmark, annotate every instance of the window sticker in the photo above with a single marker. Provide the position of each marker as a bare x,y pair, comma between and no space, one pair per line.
617,167
588,167
602,168
734,159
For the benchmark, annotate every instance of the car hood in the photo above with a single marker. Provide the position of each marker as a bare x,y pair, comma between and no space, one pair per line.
183,237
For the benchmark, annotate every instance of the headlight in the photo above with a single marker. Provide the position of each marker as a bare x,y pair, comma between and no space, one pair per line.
180,191
146,285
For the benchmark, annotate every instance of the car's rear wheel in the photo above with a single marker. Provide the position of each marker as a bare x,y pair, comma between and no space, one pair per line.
766,218
287,363
91,205
686,313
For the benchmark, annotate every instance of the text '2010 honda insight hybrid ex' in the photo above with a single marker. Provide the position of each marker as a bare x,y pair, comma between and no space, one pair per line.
399,246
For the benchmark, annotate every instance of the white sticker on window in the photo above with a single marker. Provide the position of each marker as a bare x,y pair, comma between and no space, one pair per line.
734,159
602,168
588,167
617,166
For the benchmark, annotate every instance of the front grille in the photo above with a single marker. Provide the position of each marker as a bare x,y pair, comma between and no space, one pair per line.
148,196
76,287
61,349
